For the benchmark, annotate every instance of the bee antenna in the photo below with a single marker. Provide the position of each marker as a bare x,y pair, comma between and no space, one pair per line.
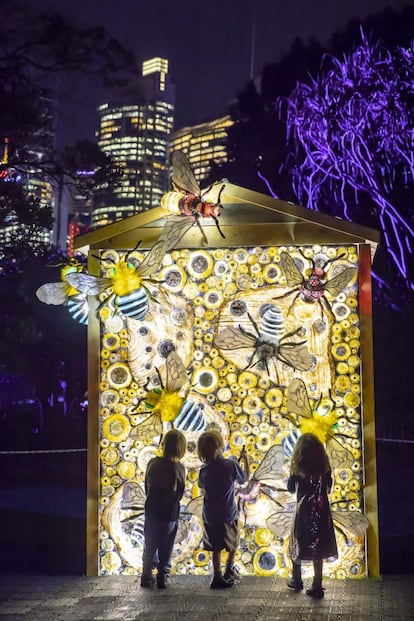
100,259
159,377
137,246
341,256
319,402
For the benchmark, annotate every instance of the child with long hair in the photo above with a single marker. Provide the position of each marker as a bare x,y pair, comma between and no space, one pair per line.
164,486
220,515
313,536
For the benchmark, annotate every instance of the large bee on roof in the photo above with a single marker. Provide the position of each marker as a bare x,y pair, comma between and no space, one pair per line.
187,200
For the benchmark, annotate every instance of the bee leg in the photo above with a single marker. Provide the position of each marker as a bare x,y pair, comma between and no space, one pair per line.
250,361
218,227
204,237
293,302
254,324
328,306
106,301
276,372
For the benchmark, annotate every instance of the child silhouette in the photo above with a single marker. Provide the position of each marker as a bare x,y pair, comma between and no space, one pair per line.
313,536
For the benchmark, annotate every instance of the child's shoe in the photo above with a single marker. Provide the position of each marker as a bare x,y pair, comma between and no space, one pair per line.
163,581
219,582
147,582
295,584
316,591
231,574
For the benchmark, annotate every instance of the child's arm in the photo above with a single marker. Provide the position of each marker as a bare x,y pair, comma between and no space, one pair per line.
180,481
245,461
242,476
291,484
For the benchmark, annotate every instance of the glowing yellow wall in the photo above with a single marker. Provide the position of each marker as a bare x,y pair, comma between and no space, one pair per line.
204,293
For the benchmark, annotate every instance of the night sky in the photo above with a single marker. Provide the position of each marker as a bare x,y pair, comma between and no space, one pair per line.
208,44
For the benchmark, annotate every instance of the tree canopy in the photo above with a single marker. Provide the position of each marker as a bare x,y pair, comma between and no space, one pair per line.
350,139
39,51
330,127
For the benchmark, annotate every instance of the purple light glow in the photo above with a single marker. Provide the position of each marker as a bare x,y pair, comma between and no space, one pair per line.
351,129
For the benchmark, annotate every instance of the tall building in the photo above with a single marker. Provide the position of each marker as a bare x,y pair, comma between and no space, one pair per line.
203,143
135,127
32,182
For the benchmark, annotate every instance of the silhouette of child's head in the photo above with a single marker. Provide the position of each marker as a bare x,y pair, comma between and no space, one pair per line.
174,444
210,446
309,456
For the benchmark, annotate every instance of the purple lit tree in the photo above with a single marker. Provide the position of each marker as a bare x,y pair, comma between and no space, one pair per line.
350,133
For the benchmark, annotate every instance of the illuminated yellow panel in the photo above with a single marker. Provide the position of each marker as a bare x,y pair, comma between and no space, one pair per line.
211,299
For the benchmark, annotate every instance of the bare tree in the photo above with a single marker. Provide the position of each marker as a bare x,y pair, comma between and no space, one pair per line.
350,132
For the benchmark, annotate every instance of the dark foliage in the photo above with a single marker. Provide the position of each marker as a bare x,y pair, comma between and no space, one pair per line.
39,52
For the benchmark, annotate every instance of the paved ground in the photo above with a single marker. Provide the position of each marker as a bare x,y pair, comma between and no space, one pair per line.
64,598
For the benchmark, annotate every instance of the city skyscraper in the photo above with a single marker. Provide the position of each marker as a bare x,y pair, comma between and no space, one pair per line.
27,168
202,143
135,126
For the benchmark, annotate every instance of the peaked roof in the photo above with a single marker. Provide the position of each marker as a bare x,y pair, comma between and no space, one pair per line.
247,218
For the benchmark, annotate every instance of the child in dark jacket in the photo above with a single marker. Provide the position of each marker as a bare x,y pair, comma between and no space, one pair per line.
217,478
313,535
164,486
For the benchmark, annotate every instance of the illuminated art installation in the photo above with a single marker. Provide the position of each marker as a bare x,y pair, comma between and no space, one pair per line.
261,368
63,292
263,334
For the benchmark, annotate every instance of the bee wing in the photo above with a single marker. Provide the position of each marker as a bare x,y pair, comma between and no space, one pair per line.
293,274
133,496
176,372
233,338
280,523
175,228
182,175
271,465
339,455
195,506
354,522
335,285
52,293
153,259
149,428
92,285
298,400
297,356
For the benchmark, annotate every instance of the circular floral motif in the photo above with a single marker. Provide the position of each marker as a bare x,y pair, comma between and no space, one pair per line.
119,375
265,562
200,265
110,456
205,380
116,428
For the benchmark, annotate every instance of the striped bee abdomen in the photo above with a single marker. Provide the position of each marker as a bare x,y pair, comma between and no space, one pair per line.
272,325
289,443
134,304
190,418
78,308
